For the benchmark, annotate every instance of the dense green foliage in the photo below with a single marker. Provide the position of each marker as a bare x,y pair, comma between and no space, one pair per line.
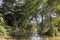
16,17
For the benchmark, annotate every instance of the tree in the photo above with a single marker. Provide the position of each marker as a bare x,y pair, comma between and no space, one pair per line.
49,8
15,11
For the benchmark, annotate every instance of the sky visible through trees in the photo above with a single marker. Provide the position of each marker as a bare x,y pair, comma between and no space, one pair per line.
1,3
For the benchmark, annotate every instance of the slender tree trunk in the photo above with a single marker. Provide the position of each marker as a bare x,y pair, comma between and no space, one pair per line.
42,20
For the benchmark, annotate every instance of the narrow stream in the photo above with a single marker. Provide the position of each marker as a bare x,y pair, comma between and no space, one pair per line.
35,36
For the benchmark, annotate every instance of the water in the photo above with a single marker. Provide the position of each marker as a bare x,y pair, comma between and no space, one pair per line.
35,36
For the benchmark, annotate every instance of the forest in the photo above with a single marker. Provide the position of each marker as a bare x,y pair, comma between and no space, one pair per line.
22,18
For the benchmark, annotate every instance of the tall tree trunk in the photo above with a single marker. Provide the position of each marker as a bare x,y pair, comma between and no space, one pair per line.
42,20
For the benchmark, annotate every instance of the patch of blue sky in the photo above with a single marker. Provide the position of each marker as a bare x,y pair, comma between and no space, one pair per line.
1,3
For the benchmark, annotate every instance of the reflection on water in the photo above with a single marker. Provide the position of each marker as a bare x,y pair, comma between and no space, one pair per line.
35,36
38,38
